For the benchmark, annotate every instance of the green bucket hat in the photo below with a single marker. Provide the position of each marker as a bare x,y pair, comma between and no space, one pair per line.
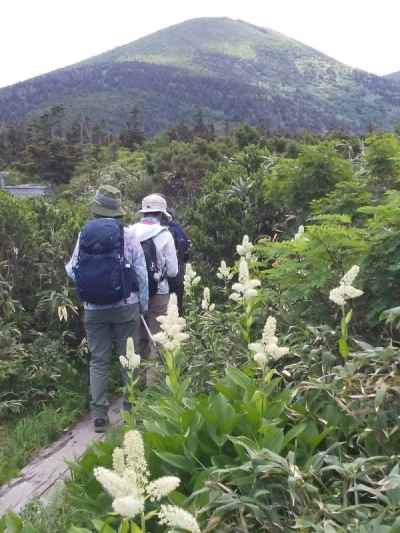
107,202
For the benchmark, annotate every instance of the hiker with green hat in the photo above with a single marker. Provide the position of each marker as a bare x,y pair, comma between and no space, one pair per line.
109,269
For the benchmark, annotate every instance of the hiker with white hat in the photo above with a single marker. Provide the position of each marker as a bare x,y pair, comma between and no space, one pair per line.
162,263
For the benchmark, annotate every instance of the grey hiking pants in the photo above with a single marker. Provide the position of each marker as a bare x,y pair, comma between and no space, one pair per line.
103,328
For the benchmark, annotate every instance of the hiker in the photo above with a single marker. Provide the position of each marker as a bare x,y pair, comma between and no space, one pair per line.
162,264
182,245
109,268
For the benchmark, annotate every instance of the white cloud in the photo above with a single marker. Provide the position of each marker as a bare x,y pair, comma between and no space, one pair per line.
38,36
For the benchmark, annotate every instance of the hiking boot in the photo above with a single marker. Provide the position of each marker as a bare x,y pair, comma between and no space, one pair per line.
100,425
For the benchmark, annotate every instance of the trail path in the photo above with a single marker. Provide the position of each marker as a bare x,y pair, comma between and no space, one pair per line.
47,470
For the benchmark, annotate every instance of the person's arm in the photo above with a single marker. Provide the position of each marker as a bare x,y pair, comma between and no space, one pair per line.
73,261
171,259
139,265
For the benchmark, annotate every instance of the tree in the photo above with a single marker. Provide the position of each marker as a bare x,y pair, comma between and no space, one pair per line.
132,137
199,127
246,135
383,160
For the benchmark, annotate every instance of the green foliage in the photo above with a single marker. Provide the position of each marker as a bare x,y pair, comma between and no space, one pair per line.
301,272
41,427
234,189
383,160
179,167
294,183
381,265
246,135
310,440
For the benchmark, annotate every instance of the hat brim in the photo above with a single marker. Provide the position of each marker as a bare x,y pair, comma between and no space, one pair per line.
152,210
102,211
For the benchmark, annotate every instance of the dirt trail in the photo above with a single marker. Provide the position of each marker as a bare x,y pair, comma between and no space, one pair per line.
45,472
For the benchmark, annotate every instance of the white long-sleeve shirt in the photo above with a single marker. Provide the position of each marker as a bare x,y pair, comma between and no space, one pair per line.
167,261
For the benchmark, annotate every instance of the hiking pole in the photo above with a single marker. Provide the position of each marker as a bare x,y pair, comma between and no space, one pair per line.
146,327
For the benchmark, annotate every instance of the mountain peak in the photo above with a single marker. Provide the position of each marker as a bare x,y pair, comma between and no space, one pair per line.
233,70
180,44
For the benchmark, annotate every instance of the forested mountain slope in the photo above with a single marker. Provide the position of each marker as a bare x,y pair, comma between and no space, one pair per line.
232,70
395,76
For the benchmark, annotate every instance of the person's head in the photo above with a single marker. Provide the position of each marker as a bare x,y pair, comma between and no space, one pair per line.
154,205
107,202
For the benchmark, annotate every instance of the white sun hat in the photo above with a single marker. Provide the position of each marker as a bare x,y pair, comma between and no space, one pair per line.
154,203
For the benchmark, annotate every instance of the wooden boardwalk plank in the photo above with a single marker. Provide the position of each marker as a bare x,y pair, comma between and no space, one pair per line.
49,467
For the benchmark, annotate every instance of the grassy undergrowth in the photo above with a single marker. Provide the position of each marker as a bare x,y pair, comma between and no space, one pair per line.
21,438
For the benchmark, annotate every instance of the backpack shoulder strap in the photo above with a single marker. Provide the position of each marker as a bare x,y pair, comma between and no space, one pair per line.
154,236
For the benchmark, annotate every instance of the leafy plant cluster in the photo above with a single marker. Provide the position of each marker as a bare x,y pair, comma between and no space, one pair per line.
303,438
38,347
308,442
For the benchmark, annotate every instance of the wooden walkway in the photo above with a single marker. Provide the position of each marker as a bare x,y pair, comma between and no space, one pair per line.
48,469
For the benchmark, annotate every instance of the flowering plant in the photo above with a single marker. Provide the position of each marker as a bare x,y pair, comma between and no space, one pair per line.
129,485
340,296
245,289
130,362
191,279
171,337
246,248
267,347
300,234
224,272
206,304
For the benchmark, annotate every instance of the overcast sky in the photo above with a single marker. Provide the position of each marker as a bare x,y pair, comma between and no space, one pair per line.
37,36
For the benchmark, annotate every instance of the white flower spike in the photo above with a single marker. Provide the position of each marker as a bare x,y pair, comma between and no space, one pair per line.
162,487
131,360
300,234
267,347
191,279
128,506
246,288
175,517
129,486
346,291
245,249
224,272
113,483
171,335
206,304
135,457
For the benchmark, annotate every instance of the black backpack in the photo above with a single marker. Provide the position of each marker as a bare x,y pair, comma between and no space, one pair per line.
102,274
153,272
182,245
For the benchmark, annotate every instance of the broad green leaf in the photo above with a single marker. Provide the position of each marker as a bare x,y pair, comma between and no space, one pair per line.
272,438
178,461
249,445
293,433
239,378
102,527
